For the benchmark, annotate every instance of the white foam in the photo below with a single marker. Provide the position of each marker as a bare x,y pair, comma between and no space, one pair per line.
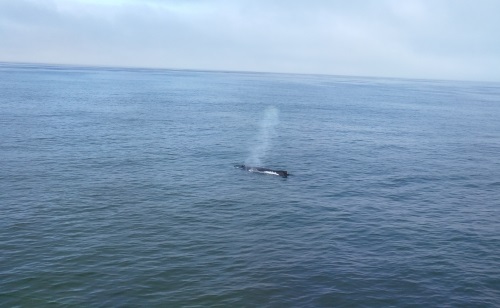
270,172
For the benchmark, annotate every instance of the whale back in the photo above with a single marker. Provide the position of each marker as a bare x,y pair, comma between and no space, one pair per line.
282,173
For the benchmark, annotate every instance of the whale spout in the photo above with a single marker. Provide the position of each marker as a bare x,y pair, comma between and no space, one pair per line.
282,173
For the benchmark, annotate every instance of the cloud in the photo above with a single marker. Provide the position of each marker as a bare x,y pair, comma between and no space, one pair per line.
413,38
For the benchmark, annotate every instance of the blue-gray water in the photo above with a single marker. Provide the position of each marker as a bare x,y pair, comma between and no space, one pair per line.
117,188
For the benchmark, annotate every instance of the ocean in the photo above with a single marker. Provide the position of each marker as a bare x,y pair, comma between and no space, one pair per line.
118,188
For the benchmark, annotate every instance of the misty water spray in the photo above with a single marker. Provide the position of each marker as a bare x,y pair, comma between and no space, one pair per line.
263,141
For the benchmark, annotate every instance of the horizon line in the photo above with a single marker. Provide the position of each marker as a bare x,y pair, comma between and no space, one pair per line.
118,67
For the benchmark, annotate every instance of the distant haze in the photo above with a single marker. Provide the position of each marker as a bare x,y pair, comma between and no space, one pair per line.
443,39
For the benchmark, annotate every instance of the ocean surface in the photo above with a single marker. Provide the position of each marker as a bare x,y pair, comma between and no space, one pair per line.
118,188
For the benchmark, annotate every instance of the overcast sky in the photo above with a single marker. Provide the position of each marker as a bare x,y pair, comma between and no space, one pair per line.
444,39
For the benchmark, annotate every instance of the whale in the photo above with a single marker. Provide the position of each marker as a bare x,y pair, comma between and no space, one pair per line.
282,173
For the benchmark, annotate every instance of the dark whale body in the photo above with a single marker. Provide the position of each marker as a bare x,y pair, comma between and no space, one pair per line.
281,173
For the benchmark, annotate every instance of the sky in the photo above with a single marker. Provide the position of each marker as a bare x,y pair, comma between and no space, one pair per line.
432,39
